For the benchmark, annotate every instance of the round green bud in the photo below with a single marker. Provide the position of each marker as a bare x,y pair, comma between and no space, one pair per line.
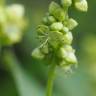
68,38
66,3
65,30
62,53
57,11
37,54
56,26
71,24
81,5
51,19
71,58
67,53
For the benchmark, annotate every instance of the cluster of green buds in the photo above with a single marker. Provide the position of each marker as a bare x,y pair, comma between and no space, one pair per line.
55,34
12,23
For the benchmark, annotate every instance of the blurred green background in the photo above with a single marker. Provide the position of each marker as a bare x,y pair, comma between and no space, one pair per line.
28,76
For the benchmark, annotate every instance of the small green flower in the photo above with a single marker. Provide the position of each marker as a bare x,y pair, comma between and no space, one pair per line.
66,3
57,26
37,54
71,23
81,5
49,20
65,30
57,11
68,38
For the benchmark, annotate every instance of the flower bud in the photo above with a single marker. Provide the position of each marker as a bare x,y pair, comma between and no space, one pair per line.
72,23
66,3
67,53
57,11
62,53
37,54
71,58
81,5
68,38
65,30
51,19
57,26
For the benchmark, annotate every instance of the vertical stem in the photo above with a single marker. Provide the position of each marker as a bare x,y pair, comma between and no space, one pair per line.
50,80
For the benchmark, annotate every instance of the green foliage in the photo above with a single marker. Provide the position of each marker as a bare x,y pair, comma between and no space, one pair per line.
11,23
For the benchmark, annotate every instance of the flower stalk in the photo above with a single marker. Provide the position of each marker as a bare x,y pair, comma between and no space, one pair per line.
56,29
51,77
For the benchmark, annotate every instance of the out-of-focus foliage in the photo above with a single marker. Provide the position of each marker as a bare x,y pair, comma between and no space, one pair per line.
29,76
11,23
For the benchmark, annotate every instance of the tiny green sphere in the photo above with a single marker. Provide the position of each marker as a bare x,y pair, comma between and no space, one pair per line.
66,3
72,23
57,26
51,19
71,58
56,10
81,5
37,54
65,30
68,38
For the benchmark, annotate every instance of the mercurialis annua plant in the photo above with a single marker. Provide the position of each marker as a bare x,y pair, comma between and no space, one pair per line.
12,23
55,36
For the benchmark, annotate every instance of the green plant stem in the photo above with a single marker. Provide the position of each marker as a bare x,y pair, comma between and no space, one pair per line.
50,80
